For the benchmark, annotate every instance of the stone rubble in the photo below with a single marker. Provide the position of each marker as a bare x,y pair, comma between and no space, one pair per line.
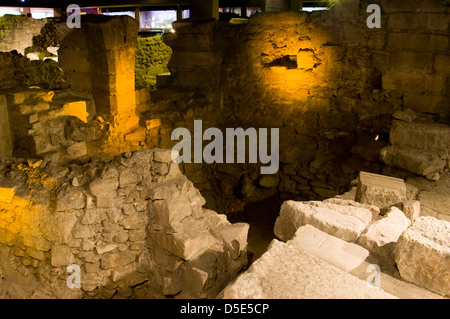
135,229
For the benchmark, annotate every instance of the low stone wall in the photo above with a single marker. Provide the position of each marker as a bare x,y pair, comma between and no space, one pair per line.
134,225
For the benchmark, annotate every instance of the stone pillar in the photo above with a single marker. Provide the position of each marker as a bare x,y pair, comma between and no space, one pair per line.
99,58
5,133
204,9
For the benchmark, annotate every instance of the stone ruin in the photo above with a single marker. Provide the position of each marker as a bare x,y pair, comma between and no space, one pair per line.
135,226
87,178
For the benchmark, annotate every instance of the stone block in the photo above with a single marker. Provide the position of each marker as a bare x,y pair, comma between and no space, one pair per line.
354,260
423,136
411,208
287,272
379,190
112,260
422,254
235,238
349,257
61,256
425,163
77,150
340,218
187,243
381,236
70,198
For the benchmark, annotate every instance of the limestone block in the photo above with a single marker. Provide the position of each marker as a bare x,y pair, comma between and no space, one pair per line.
354,260
77,150
103,249
112,260
76,109
61,256
93,216
381,236
422,254
287,272
132,222
107,183
170,211
349,257
162,155
379,190
188,242
412,160
195,278
336,218
423,136
70,198
411,208
235,238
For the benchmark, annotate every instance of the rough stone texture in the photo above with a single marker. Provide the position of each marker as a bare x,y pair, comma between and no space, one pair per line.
17,32
287,272
434,204
155,240
422,254
381,236
418,147
353,259
379,190
341,218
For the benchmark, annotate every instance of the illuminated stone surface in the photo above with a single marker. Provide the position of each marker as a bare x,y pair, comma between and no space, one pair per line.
341,218
422,254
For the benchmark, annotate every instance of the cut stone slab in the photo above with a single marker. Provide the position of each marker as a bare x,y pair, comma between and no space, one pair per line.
286,272
422,254
381,236
353,259
379,190
422,136
349,257
425,163
345,219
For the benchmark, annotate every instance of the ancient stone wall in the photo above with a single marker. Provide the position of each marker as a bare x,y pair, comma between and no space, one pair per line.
330,83
17,32
17,70
134,225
